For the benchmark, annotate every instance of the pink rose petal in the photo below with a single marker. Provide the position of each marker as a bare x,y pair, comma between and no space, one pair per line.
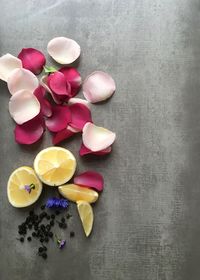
8,63
75,100
98,86
85,151
63,50
73,77
22,79
32,60
97,138
23,106
91,179
60,118
45,106
58,84
74,130
62,135
44,84
80,115
29,132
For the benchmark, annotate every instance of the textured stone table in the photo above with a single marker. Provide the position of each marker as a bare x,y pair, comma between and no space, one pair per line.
147,224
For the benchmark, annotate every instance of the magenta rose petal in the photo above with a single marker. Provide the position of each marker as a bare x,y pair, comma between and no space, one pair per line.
85,151
63,50
73,77
80,115
97,138
58,84
91,179
22,79
62,135
32,59
29,132
98,87
46,109
60,118
8,63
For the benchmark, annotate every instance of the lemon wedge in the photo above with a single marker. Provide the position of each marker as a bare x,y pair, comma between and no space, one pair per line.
86,215
55,166
24,187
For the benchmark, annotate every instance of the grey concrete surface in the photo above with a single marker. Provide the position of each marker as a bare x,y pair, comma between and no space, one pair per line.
147,224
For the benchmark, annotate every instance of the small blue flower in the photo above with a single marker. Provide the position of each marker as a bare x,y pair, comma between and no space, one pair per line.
29,188
57,202
60,242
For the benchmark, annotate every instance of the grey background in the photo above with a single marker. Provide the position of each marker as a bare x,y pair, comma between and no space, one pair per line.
147,224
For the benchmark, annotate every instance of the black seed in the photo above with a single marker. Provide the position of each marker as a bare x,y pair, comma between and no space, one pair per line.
63,220
48,217
24,231
42,227
30,226
35,227
46,239
31,213
34,234
28,220
53,216
69,216
41,240
29,238
48,227
45,248
36,217
60,225
20,232
50,234
44,255
21,239
40,249
57,212
72,233
42,207
44,214
52,223
64,225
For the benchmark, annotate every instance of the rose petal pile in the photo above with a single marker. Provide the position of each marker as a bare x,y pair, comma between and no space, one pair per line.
51,103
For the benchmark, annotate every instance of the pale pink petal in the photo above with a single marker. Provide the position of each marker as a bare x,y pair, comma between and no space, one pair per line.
63,50
80,115
45,106
98,86
62,135
97,138
74,130
32,60
90,179
60,118
8,63
23,106
75,100
29,132
22,79
85,151
73,77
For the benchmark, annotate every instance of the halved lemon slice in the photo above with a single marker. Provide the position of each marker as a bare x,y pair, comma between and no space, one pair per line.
86,214
24,187
55,166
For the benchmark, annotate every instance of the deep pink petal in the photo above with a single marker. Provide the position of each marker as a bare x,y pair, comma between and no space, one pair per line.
62,135
58,84
85,151
80,115
60,118
73,77
29,132
91,179
32,60
45,106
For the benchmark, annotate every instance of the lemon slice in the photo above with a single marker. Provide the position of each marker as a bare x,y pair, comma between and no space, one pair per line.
74,193
18,195
86,214
55,166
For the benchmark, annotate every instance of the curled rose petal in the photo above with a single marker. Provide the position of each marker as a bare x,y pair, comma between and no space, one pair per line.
29,132
62,135
60,118
63,50
45,106
23,106
8,63
80,115
75,100
85,151
58,84
32,60
98,86
91,179
22,79
97,138
72,129
43,82
73,77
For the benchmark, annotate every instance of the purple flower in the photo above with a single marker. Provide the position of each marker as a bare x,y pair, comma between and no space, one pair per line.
60,242
29,188
57,202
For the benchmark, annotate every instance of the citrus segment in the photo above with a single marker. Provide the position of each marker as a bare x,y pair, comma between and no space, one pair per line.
86,215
